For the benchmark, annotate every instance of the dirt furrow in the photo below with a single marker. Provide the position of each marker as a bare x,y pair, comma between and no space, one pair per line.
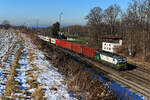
11,84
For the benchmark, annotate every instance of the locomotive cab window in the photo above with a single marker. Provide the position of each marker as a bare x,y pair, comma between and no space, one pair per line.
113,59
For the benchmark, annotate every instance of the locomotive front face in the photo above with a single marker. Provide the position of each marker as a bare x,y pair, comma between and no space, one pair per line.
121,62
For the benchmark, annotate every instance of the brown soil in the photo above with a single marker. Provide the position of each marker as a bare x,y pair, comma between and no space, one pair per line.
38,94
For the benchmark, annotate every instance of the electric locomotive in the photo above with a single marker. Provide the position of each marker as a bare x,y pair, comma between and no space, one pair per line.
114,60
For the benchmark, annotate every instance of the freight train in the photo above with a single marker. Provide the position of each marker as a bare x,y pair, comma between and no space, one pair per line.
114,60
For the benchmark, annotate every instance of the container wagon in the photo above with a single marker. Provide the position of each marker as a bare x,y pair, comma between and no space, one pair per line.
76,48
62,43
68,45
57,42
89,51
53,40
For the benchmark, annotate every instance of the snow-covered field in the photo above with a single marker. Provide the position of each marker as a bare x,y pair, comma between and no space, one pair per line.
34,77
7,39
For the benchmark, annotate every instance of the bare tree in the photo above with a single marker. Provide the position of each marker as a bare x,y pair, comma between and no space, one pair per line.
132,24
94,20
111,14
6,24
95,16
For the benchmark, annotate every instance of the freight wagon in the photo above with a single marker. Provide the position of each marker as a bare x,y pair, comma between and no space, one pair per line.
45,38
53,40
89,51
62,43
68,45
57,42
76,48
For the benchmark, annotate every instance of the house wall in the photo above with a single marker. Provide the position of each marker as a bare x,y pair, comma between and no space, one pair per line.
110,47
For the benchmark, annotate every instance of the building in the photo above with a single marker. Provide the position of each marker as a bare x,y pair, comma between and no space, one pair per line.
111,42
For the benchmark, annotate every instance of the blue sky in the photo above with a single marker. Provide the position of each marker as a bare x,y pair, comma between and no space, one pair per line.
47,11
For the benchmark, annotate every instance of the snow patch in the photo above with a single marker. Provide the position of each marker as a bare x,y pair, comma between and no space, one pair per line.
53,82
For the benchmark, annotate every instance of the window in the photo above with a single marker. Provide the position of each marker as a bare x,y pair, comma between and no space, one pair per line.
113,59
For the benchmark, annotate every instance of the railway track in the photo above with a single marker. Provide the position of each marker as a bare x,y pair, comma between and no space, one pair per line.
141,68
129,80
134,81
140,80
